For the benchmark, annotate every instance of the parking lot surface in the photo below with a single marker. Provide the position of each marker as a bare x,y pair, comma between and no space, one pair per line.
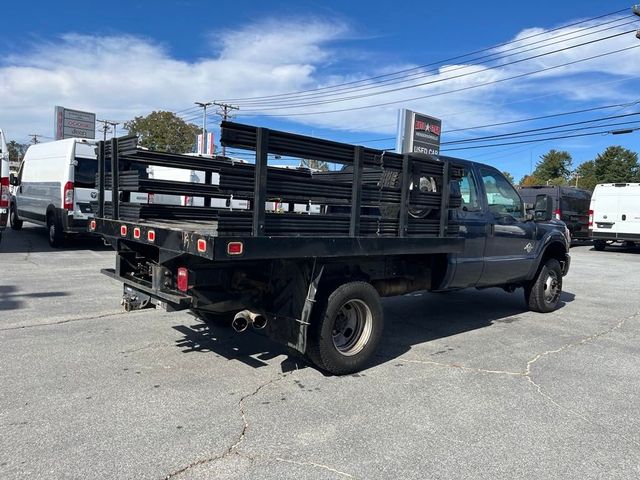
467,384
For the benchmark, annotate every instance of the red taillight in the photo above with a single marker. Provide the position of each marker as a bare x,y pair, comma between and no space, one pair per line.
123,230
235,248
4,192
202,245
92,225
151,236
183,279
67,203
558,214
590,218
136,232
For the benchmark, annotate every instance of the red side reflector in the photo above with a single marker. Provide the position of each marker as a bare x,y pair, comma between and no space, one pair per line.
136,232
235,248
151,236
92,225
183,279
123,230
202,245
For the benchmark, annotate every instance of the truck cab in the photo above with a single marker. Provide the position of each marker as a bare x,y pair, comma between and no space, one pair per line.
503,243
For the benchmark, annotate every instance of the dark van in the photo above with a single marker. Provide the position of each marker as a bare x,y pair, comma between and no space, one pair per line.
571,205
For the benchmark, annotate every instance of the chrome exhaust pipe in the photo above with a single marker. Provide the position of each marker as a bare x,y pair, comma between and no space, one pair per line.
240,322
258,321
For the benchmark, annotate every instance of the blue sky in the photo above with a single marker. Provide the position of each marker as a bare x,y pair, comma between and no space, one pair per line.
121,59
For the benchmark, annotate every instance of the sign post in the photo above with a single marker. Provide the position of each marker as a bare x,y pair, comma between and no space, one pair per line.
74,123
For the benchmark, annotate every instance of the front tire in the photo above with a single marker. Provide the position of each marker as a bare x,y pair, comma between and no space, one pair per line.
346,328
543,294
54,232
16,223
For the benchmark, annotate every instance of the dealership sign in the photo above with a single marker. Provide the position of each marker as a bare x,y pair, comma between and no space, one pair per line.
74,124
418,133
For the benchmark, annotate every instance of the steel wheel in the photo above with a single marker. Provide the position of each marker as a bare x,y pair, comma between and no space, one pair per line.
352,327
551,288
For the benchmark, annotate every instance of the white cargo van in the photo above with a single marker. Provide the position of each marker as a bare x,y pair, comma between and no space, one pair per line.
55,186
614,214
4,183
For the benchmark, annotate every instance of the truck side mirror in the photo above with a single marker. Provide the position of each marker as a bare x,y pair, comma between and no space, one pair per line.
528,206
543,208
13,180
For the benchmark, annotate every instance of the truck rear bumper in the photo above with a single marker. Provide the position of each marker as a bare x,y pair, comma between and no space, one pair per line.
616,236
172,301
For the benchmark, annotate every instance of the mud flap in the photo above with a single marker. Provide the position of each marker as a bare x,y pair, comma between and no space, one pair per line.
293,304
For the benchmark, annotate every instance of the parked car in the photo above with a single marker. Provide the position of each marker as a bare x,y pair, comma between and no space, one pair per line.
4,183
614,214
571,205
54,187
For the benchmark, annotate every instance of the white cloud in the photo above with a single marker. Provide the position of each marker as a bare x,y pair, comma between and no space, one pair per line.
119,77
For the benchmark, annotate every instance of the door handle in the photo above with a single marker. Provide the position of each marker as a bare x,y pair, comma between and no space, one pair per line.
491,228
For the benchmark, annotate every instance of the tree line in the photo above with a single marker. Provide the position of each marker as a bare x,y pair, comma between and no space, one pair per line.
615,165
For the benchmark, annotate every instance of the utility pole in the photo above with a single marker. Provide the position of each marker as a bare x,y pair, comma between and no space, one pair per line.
34,138
225,116
104,129
204,106
577,177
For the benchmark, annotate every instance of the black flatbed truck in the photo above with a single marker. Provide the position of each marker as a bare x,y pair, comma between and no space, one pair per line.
314,281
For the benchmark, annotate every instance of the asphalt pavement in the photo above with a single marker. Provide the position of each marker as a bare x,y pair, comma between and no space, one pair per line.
467,385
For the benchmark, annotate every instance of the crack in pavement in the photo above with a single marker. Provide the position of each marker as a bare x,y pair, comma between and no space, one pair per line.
527,373
69,320
233,448
317,465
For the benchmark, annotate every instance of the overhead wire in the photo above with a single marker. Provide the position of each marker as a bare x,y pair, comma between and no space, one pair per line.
318,98
458,57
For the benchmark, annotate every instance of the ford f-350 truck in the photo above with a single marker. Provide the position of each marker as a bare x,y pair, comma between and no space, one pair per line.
389,224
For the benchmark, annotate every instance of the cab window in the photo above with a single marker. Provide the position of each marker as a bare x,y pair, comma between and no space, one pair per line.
469,192
502,198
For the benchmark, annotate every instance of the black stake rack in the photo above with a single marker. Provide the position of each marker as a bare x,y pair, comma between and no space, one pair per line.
376,194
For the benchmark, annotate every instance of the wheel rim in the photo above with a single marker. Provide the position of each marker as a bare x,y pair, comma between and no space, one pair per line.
52,232
352,327
551,288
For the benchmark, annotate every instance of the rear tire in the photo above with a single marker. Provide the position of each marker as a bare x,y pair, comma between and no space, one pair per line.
16,223
54,232
543,294
346,328
599,245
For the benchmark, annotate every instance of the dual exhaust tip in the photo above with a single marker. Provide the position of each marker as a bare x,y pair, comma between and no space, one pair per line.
243,319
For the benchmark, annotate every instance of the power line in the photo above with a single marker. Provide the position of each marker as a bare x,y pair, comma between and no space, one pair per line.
541,129
454,77
422,74
434,63
604,132
470,87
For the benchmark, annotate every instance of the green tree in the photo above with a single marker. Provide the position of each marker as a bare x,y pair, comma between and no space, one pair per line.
529,180
164,131
509,177
616,164
554,167
585,176
16,151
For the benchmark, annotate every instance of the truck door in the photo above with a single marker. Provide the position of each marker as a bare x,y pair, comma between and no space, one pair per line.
510,245
473,223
